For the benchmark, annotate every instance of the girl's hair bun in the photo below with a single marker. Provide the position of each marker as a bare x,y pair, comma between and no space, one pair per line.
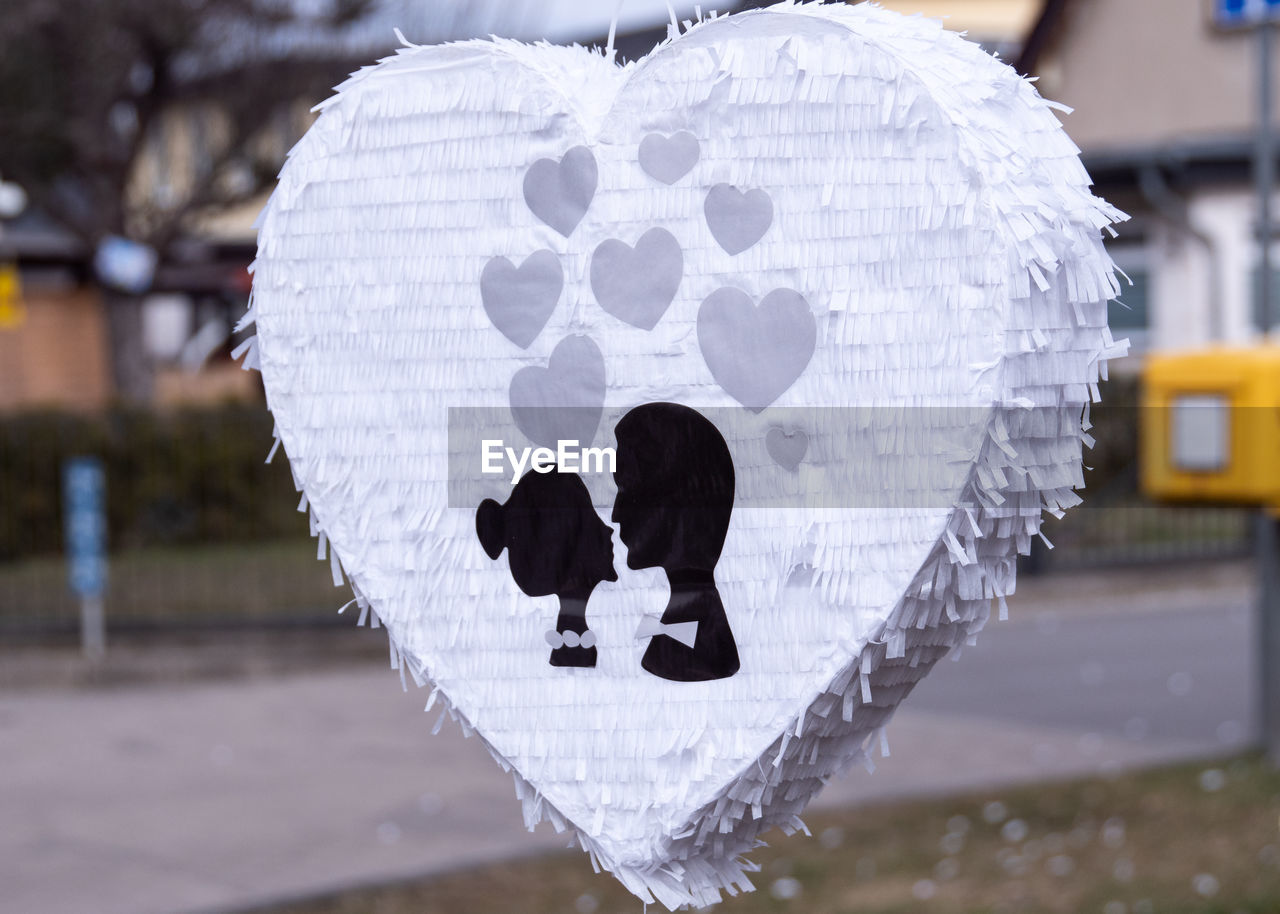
490,527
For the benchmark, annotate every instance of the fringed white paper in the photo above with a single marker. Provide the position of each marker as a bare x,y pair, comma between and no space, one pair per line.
914,194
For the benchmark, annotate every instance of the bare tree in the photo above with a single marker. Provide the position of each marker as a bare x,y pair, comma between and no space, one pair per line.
133,118
137,118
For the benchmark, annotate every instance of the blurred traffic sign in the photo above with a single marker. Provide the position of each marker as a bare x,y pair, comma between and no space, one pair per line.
86,525
1238,13
85,530
12,314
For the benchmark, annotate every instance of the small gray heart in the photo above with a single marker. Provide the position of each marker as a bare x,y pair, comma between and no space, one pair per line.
669,158
519,300
637,284
756,353
563,401
737,220
786,448
559,192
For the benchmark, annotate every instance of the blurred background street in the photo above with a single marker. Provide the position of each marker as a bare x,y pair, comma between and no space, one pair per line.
218,794
236,743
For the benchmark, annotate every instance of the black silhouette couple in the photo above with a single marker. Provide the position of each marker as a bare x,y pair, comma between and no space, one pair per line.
675,485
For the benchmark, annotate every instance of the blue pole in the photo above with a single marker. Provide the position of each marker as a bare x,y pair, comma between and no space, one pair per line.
85,523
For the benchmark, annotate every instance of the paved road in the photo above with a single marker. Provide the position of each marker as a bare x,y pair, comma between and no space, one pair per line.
215,796
1059,693
1163,675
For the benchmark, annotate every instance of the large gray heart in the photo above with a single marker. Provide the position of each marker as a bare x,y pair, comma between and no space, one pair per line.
563,401
559,192
519,300
669,158
786,448
737,220
756,353
637,284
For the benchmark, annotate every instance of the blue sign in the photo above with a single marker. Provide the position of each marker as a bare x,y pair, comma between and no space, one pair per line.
1245,12
85,521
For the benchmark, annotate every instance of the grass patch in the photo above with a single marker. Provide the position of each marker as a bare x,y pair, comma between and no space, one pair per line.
1191,839
276,578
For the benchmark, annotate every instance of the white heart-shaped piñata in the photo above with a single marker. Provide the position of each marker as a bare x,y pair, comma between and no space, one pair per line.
828,285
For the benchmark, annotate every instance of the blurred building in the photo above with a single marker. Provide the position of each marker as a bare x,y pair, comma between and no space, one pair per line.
1165,109
1001,26
54,339
53,345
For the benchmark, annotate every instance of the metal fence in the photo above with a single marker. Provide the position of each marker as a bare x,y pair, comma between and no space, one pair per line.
199,528
1117,525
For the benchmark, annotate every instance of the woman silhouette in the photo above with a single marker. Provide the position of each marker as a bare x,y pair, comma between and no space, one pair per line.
675,496
556,544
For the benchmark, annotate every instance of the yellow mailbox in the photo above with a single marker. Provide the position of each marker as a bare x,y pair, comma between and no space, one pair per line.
1210,425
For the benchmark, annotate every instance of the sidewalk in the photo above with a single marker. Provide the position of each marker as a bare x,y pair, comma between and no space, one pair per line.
222,794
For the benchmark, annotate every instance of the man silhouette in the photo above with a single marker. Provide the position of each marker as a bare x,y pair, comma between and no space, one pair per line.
675,496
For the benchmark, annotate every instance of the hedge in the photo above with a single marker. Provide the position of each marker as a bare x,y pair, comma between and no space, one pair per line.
185,476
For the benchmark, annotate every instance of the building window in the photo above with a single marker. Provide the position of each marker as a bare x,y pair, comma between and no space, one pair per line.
1262,321
1129,311
1129,315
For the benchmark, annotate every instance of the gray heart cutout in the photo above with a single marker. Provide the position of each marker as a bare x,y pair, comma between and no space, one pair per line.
756,353
786,448
563,401
737,220
638,284
519,300
669,158
559,192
